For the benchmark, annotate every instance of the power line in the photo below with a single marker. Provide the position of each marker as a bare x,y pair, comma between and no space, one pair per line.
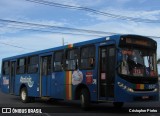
50,31
15,46
49,3
51,27
28,26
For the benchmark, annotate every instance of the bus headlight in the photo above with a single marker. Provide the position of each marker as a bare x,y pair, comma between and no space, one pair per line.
155,90
121,85
130,89
124,87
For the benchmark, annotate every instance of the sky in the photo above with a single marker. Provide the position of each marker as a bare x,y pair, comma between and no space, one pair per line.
25,11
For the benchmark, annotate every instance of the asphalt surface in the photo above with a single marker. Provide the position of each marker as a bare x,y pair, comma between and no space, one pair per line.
60,107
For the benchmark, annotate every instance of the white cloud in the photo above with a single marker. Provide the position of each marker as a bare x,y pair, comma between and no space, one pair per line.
122,2
18,6
126,28
152,14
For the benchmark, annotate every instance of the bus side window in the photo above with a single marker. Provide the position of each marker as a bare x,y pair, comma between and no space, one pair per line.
72,59
44,66
58,61
33,62
5,68
49,68
87,57
21,66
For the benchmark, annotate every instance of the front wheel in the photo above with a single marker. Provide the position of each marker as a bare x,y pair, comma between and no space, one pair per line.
24,95
85,99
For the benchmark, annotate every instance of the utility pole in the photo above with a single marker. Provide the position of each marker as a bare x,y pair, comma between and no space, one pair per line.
62,41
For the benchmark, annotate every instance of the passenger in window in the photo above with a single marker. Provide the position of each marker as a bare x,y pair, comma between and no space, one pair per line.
76,65
91,62
37,66
61,68
135,63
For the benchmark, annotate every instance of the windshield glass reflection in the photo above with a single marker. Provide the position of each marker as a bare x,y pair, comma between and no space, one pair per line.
138,62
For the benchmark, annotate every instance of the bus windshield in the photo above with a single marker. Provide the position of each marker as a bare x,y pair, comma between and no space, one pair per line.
138,62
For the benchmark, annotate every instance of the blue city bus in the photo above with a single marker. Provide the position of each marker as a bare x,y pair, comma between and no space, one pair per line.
117,69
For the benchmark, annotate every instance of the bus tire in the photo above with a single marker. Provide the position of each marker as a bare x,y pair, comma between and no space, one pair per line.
118,104
85,99
24,95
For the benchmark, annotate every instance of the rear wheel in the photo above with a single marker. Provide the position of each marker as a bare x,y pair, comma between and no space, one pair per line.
85,99
118,104
24,95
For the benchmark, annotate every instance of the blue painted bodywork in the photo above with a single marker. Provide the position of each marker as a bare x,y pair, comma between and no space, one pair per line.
53,85
4,85
58,83
130,96
32,84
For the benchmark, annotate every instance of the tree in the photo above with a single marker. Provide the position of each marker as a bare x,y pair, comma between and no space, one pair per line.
158,61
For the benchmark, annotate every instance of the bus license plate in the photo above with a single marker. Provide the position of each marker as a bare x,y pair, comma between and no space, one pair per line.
145,97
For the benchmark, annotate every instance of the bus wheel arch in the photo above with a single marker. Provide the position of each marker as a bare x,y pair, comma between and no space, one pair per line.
24,94
22,86
79,89
83,94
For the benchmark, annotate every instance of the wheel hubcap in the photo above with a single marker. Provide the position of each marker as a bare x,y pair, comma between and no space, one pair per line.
82,99
23,95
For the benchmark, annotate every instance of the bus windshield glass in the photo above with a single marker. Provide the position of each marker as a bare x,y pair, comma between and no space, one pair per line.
138,62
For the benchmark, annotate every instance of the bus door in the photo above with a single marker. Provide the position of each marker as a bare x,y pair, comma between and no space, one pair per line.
45,75
12,77
106,72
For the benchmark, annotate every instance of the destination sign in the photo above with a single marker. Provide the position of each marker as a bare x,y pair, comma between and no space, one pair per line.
137,41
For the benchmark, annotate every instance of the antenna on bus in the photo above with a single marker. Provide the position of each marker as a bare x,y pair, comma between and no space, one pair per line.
62,41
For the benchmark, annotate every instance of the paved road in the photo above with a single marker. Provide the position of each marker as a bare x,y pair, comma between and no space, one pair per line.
70,108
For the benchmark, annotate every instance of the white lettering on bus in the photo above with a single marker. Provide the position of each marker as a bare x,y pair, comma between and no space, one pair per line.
27,80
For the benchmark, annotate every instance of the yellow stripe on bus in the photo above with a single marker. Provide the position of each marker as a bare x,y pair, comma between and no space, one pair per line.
68,85
141,86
